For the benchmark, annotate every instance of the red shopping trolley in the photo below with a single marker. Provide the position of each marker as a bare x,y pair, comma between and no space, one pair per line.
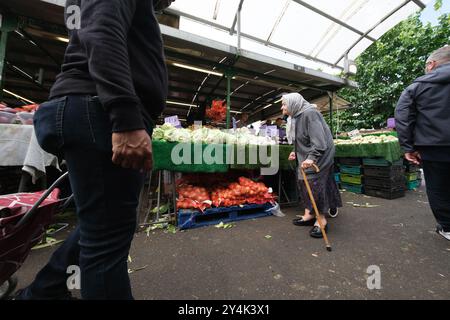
24,218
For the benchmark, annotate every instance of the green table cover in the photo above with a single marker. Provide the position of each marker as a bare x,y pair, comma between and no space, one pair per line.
390,151
162,157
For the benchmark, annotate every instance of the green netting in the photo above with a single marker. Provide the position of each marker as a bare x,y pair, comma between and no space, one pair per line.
163,160
162,156
390,151
285,151
261,157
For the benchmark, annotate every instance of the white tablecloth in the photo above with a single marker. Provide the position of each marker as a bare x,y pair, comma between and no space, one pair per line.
19,147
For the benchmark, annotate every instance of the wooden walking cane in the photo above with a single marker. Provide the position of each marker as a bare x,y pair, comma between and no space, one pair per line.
311,197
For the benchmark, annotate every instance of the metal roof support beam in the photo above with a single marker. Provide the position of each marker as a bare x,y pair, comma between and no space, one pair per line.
325,15
25,75
7,25
23,34
235,17
239,31
419,3
283,12
247,36
241,73
373,28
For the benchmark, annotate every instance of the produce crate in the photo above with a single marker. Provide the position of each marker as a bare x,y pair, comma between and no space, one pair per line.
412,176
384,172
388,183
351,169
413,185
411,167
337,177
352,188
350,161
381,162
352,179
389,194
189,219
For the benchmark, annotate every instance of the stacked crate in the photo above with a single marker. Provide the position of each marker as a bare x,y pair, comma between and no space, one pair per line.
413,176
384,179
351,174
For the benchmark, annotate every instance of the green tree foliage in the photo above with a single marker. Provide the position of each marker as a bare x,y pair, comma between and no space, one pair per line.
386,68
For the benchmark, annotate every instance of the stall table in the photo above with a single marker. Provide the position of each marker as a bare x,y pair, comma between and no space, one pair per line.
19,147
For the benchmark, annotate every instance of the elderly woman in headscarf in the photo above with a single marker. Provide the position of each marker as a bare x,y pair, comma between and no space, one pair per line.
313,142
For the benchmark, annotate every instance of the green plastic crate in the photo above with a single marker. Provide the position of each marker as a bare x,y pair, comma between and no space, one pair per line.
354,170
352,188
381,162
352,179
411,176
412,185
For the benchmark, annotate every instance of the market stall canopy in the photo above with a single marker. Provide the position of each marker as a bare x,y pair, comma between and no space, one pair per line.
312,33
197,64
323,103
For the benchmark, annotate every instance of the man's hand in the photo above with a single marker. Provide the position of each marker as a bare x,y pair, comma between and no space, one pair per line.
132,149
307,164
292,156
413,157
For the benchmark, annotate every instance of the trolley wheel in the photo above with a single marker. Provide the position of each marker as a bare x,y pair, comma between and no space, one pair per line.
7,287
333,212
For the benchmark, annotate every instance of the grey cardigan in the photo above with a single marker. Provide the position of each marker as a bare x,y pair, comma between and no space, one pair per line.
313,141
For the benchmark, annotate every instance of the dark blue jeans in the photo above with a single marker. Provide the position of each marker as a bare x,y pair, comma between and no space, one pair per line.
437,177
106,197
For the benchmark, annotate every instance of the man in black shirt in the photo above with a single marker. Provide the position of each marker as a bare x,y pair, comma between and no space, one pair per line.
100,117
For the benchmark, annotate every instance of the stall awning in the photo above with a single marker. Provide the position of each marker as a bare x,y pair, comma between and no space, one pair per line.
311,33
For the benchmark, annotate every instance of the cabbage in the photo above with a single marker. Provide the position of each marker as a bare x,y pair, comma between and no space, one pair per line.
180,135
158,134
242,136
367,140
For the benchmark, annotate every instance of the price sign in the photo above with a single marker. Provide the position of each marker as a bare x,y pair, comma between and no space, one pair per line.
263,131
173,121
198,125
272,131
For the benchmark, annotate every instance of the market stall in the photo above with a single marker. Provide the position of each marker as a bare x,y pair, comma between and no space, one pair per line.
220,180
19,147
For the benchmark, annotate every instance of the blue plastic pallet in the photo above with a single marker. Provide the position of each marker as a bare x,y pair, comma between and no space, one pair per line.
189,219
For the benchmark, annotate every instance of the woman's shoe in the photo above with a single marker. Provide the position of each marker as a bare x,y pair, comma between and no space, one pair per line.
302,223
317,233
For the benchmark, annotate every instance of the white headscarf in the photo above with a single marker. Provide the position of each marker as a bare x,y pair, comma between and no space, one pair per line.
296,105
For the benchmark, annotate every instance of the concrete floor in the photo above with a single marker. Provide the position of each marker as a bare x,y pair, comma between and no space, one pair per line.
240,263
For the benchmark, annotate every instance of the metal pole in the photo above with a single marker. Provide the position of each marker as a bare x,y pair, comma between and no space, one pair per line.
228,99
7,24
158,202
174,196
330,95
3,40
239,30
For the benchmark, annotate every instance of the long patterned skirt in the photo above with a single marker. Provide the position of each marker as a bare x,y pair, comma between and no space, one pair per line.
325,192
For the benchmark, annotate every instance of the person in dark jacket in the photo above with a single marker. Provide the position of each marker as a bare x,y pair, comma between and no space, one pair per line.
99,117
314,145
423,126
